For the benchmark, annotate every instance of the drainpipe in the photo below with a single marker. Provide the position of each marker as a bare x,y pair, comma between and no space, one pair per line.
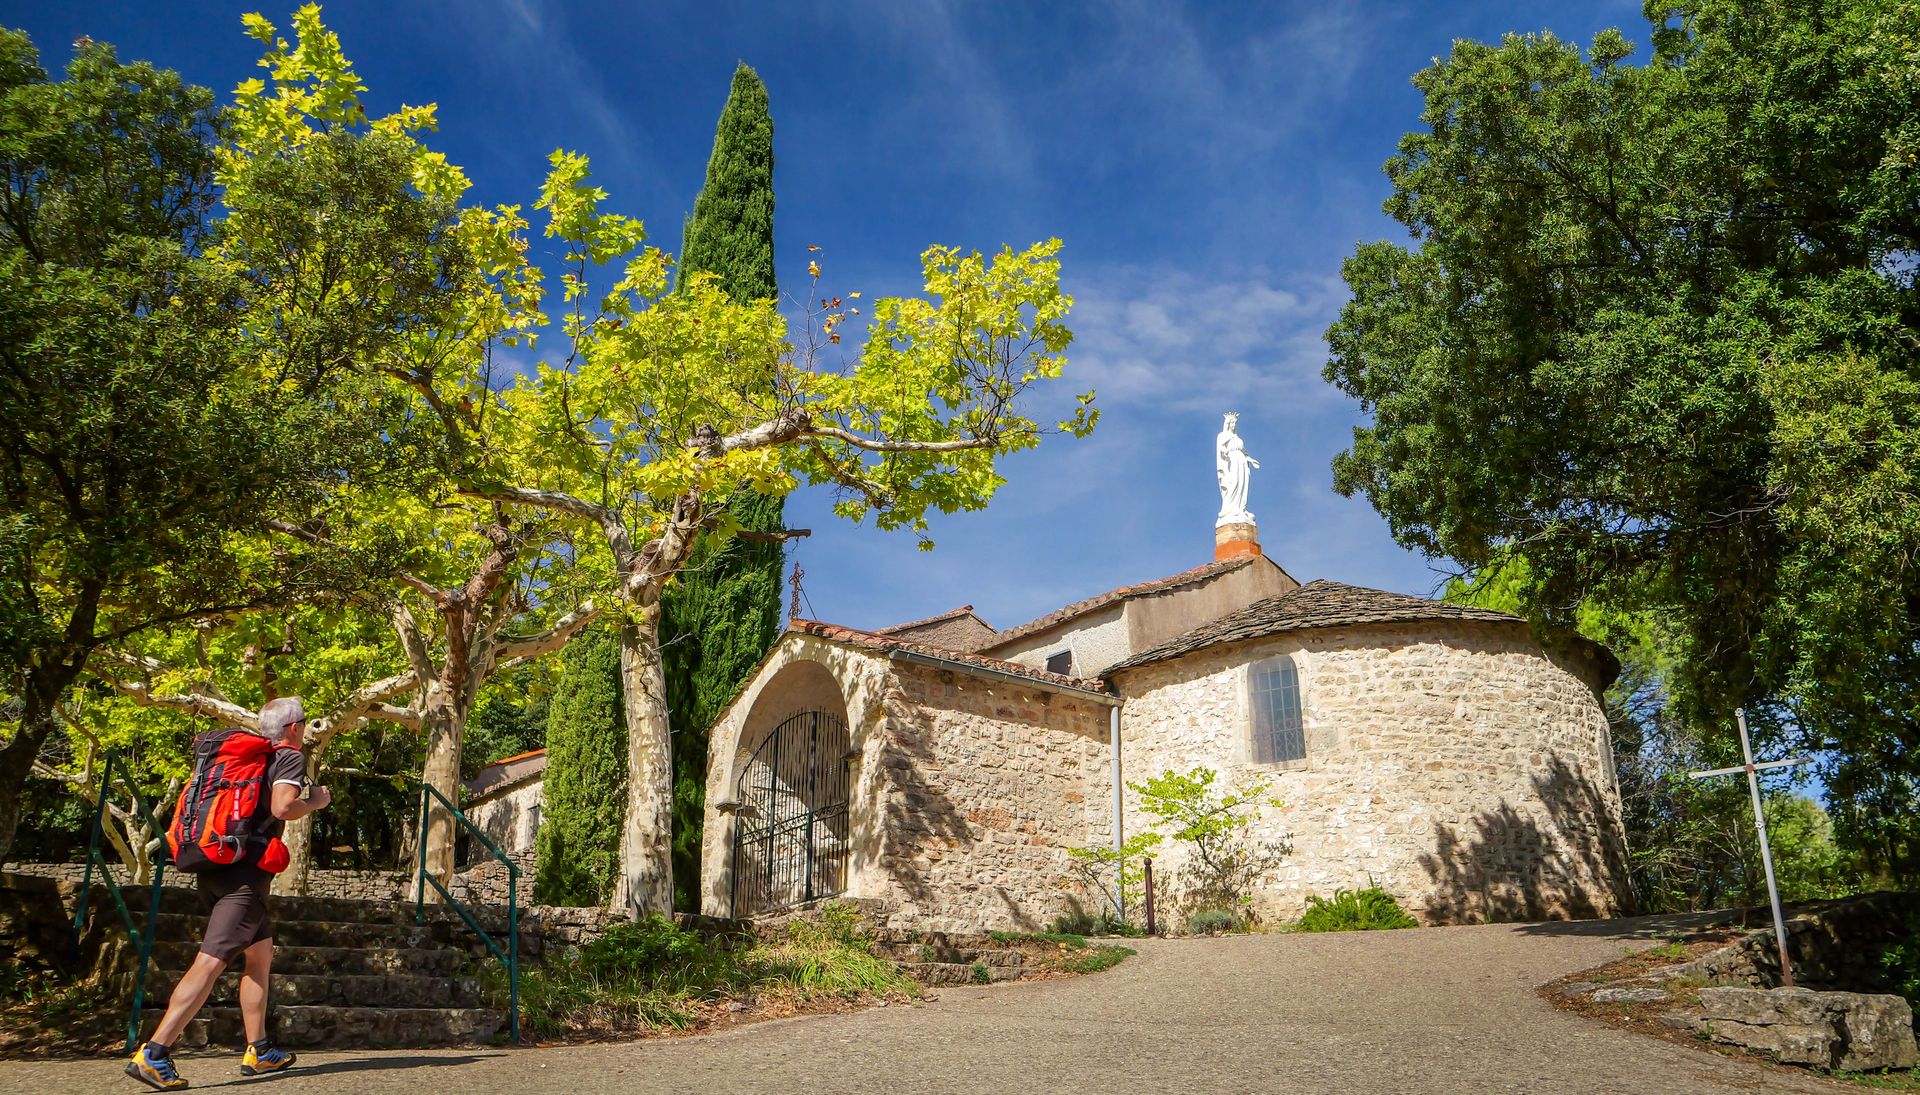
1113,746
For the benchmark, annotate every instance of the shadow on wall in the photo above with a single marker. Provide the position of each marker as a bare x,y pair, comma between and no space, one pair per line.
920,821
1512,867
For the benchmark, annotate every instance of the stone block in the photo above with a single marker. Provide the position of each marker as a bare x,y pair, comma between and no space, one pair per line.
1842,1030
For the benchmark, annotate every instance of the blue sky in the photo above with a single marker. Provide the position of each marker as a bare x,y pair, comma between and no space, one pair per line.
1208,165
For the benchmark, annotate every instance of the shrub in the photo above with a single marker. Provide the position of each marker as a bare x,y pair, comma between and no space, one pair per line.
1212,922
1225,862
651,973
1371,909
1081,924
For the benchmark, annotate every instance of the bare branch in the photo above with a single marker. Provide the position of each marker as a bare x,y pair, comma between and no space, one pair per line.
141,691
410,641
405,716
513,651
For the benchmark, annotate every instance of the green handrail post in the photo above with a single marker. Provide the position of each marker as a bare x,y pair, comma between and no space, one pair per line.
141,934
509,957
93,847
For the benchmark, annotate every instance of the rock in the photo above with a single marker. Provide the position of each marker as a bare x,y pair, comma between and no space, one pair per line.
1576,988
1629,996
1849,1031
1679,1020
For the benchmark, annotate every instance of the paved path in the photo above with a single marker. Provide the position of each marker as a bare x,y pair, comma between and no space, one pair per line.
1436,1010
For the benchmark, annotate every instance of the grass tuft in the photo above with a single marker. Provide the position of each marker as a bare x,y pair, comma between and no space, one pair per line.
651,974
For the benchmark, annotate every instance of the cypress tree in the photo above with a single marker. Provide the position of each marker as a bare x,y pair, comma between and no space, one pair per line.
578,849
723,613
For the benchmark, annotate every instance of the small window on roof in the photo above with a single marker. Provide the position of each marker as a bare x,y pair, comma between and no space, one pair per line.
1277,731
1061,663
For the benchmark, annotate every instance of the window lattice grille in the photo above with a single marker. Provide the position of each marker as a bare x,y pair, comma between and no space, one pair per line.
1277,731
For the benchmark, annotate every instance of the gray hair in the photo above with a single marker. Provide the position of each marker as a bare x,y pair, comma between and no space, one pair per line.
279,714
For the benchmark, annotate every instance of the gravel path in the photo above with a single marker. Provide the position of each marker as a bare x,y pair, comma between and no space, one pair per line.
1428,1011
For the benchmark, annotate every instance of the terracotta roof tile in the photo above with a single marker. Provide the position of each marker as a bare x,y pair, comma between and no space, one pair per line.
1114,596
507,772
1314,605
963,610
870,640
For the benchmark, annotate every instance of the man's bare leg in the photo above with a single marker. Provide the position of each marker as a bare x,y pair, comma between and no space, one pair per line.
253,990
188,995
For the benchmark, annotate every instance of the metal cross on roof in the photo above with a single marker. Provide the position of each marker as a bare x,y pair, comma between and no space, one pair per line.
1760,823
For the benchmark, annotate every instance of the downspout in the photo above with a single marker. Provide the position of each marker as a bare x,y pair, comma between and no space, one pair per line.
1113,746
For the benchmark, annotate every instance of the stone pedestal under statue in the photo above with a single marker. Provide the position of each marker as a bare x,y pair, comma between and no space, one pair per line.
1234,540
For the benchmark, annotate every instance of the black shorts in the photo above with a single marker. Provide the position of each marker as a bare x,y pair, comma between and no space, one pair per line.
236,900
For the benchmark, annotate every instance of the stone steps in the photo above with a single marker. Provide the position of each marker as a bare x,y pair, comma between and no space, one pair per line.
181,927
318,1026
338,961
348,990
359,974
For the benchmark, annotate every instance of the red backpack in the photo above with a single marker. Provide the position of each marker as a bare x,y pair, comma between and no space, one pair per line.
213,823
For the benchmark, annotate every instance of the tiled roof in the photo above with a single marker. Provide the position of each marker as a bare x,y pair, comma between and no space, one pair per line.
1114,596
870,640
1314,605
963,610
503,773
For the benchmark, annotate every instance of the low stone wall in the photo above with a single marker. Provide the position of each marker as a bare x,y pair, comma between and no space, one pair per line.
484,883
1834,945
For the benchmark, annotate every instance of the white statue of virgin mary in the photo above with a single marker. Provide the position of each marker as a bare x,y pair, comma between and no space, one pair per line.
1233,467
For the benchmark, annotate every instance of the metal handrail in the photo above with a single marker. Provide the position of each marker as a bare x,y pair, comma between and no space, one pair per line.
142,935
511,956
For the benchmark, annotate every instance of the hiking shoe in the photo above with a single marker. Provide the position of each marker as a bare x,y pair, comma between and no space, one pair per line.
155,1072
271,1059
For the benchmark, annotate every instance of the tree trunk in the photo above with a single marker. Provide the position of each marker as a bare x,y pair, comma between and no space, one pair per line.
298,837
444,721
645,884
43,690
298,834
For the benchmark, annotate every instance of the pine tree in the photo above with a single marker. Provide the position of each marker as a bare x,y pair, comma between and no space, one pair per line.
579,841
723,613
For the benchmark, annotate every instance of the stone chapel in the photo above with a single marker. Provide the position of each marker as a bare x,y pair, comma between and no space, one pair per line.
939,770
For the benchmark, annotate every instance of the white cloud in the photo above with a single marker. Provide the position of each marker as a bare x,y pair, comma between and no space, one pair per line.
1181,342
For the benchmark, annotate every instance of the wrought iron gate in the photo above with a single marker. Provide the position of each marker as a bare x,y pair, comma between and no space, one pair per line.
790,834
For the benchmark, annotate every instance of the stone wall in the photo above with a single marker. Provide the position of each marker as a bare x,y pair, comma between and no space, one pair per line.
1833,944
483,883
486,881
984,785
1097,640
510,816
1456,765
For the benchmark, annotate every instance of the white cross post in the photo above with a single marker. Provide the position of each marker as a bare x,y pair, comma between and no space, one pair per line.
1760,822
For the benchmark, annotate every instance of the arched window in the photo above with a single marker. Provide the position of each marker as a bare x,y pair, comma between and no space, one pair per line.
1277,732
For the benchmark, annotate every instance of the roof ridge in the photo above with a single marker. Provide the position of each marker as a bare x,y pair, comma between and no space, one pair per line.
1101,600
963,610
1321,609
842,633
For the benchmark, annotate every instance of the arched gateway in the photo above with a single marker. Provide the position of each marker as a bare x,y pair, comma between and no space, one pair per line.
790,832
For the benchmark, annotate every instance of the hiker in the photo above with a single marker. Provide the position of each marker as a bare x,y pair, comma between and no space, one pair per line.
226,828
